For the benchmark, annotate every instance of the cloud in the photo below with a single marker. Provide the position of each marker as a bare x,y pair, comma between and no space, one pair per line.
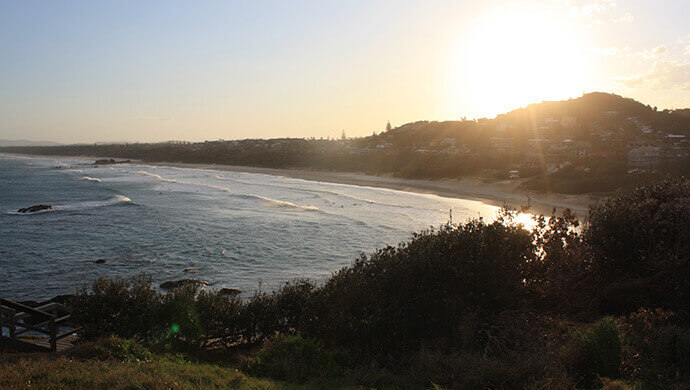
597,12
657,51
687,50
669,75
588,7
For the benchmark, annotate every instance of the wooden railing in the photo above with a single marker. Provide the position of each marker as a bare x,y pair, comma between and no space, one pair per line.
18,320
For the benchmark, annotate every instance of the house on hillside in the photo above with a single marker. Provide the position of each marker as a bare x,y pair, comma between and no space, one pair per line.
538,145
556,162
502,144
645,157
448,142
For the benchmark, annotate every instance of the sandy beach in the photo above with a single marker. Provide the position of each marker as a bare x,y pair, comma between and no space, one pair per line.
498,193
494,192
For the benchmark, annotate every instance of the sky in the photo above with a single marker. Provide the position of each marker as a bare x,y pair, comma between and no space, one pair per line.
126,71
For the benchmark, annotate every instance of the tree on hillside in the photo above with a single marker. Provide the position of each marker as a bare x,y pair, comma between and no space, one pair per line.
388,126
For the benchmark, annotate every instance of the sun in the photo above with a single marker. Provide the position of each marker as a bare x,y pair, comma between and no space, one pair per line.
517,58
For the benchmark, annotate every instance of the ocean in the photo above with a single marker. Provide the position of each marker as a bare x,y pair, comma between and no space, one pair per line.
248,231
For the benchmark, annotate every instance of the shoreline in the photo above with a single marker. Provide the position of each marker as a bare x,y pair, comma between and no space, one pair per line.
496,193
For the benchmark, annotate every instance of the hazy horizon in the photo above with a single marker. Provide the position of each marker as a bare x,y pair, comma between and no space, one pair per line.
86,72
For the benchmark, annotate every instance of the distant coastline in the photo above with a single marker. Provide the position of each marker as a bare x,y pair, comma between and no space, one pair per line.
494,192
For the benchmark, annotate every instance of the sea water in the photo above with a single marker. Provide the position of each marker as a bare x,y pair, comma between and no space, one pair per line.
230,229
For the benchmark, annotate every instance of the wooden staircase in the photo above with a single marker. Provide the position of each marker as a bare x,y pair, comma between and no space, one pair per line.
35,329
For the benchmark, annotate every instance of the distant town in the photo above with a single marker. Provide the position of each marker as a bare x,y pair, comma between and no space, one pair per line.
596,143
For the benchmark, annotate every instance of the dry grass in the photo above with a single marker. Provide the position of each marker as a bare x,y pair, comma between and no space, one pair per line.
65,373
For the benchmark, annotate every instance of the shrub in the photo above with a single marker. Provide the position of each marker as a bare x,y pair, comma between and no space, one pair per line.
127,308
657,348
179,317
112,348
133,309
419,290
641,241
284,310
595,352
296,359
219,315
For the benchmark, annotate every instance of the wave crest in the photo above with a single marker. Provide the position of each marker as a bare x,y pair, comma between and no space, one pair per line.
279,203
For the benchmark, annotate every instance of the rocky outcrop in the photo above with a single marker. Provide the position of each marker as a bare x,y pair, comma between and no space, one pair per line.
35,208
230,291
110,161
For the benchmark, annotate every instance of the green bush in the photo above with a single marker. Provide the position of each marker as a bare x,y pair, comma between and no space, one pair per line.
133,309
419,290
127,308
295,359
595,352
112,348
657,348
178,313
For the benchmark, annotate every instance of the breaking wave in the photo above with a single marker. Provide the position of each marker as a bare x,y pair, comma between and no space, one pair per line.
156,176
268,202
86,178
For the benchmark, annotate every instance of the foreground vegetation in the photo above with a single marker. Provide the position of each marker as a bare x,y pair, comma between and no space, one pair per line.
471,305
122,364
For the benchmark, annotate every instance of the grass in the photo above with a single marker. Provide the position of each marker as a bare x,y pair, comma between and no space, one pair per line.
116,363
66,373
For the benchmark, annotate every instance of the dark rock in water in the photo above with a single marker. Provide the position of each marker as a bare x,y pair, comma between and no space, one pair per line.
169,285
35,208
230,291
100,261
110,161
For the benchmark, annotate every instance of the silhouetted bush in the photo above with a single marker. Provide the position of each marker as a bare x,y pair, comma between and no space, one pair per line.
657,349
641,240
467,305
420,290
595,352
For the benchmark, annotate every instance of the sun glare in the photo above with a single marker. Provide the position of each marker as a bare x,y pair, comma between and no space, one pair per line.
521,58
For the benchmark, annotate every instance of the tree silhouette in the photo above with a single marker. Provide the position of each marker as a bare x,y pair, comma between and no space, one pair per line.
388,126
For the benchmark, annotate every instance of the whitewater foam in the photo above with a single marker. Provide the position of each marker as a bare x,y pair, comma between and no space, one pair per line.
86,178
156,176
278,203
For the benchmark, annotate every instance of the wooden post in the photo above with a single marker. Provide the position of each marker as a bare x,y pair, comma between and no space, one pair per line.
53,335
